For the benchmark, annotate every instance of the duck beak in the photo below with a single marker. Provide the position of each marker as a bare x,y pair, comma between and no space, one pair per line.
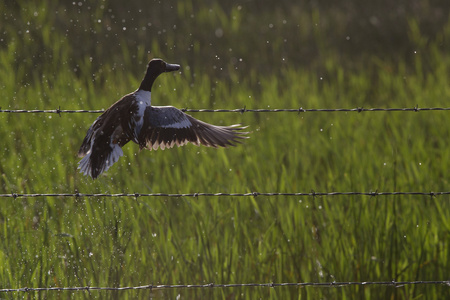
172,67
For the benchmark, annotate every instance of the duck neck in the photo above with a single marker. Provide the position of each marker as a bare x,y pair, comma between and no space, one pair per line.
147,82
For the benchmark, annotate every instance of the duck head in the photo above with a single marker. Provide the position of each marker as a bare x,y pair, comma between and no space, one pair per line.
154,69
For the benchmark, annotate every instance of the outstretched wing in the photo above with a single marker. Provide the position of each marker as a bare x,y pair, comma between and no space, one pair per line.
166,126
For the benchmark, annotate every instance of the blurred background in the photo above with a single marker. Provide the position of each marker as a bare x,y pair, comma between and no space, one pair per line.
255,54
222,37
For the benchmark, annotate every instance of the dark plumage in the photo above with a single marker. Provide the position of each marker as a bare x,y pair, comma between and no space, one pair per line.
132,118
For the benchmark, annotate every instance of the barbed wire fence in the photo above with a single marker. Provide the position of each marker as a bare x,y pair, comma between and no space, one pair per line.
416,108
397,284
251,194
313,194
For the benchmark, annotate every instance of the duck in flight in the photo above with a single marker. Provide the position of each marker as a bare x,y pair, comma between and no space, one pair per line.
133,118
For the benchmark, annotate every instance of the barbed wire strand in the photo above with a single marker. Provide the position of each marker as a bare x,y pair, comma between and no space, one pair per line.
251,194
233,285
245,110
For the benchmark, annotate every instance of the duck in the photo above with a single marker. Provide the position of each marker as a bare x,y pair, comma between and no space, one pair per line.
133,118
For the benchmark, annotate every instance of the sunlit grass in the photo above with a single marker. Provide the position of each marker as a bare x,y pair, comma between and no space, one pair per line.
128,242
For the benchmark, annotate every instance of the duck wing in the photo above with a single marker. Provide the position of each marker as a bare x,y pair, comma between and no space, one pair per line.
102,146
166,126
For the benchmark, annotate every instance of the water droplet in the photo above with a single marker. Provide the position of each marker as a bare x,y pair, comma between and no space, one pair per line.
219,32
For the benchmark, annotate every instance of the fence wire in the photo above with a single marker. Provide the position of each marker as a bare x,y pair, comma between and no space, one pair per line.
245,110
396,284
251,194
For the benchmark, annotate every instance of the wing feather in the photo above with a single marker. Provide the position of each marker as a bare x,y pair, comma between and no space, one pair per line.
167,126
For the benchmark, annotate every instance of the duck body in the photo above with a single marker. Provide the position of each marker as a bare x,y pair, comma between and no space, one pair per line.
133,118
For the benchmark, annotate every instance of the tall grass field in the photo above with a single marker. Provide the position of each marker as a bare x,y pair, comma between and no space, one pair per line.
129,241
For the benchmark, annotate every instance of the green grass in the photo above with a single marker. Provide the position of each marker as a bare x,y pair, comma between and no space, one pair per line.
127,242
116,242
